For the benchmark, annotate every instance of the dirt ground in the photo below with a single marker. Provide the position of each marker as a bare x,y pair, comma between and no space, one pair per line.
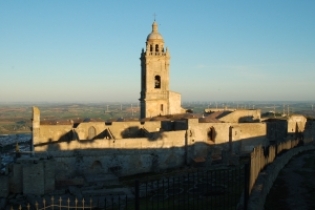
294,188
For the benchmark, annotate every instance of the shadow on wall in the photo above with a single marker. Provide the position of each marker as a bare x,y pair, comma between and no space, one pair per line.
134,132
249,119
124,161
132,156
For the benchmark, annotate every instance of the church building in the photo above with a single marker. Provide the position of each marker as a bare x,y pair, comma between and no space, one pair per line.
156,98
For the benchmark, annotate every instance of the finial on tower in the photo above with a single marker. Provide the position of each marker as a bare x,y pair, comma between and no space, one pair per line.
154,15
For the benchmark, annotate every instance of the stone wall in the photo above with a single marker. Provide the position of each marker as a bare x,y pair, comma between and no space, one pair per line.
49,172
118,130
266,178
309,133
242,115
31,175
244,136
165,145
16,184
33,178
4,186
296,123
122,163
175,103
277,130
131,156
135,147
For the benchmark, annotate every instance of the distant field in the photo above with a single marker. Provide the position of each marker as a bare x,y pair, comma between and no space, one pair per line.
16,118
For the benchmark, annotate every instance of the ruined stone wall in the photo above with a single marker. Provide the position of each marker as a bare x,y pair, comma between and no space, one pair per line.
31,175
127,162
244,136
165,145
266,178
15,182
157,140
126,156
277,131
49,175
4,186
174,125
252,135
175,103
88,130
242,115
210,110
296,123
33,178
51,133
119,130
35,126
309,133
131,129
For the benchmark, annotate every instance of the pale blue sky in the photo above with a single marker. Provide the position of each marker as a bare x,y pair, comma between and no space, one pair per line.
88,51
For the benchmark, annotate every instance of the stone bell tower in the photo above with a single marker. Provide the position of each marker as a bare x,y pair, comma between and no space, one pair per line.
155,97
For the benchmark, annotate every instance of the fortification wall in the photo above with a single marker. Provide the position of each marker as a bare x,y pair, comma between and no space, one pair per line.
92,130
51,133
122,162
244,136
15,181
309,133
4,186
277,130
88,130
32,172
242,115
131,129
157,140
175,103
296,123
31,175
210,110
252,135
163,144
267,177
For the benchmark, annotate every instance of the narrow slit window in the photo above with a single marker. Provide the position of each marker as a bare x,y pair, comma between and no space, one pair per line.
157,81
162,107
211,134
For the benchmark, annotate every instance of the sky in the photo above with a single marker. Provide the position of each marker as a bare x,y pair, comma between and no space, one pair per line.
88,51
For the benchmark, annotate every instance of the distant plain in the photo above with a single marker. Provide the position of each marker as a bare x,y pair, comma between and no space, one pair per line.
17,118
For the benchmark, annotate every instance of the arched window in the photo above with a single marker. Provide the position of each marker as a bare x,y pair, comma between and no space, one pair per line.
91,133
156,48
157,82
151,48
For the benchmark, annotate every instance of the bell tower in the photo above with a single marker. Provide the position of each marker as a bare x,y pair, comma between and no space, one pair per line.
155,60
